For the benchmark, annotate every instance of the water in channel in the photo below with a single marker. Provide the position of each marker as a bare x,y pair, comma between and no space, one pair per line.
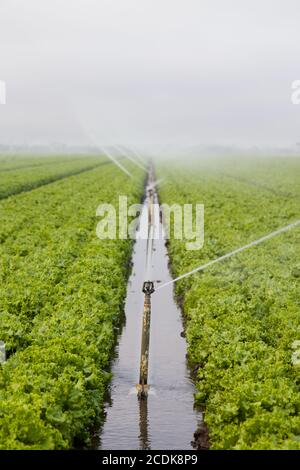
167,419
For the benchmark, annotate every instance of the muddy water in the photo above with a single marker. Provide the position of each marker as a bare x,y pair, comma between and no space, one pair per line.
166,420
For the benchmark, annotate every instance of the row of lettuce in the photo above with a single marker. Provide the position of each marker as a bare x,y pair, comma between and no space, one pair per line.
25,174
17,161
276,175
62,293
243,314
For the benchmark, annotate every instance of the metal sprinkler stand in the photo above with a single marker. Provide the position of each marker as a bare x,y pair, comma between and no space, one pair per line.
142,387
150,208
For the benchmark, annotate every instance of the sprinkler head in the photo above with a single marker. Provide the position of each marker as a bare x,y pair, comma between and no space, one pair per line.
148,287
142,391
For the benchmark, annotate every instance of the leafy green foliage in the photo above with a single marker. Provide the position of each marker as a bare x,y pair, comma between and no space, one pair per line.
11,162
26,174
62,294
242,315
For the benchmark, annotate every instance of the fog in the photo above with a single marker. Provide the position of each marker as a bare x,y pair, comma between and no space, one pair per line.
140,72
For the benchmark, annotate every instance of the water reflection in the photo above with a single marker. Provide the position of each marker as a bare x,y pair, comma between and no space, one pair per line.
144,437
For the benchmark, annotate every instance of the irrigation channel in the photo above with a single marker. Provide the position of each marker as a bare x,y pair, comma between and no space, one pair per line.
166,418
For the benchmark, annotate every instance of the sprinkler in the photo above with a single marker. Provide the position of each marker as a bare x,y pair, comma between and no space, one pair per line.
148,288
142,387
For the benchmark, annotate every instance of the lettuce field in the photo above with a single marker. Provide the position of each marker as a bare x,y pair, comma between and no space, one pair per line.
62,294
63,291
242,315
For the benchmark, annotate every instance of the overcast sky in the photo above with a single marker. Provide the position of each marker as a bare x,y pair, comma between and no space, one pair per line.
150,71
